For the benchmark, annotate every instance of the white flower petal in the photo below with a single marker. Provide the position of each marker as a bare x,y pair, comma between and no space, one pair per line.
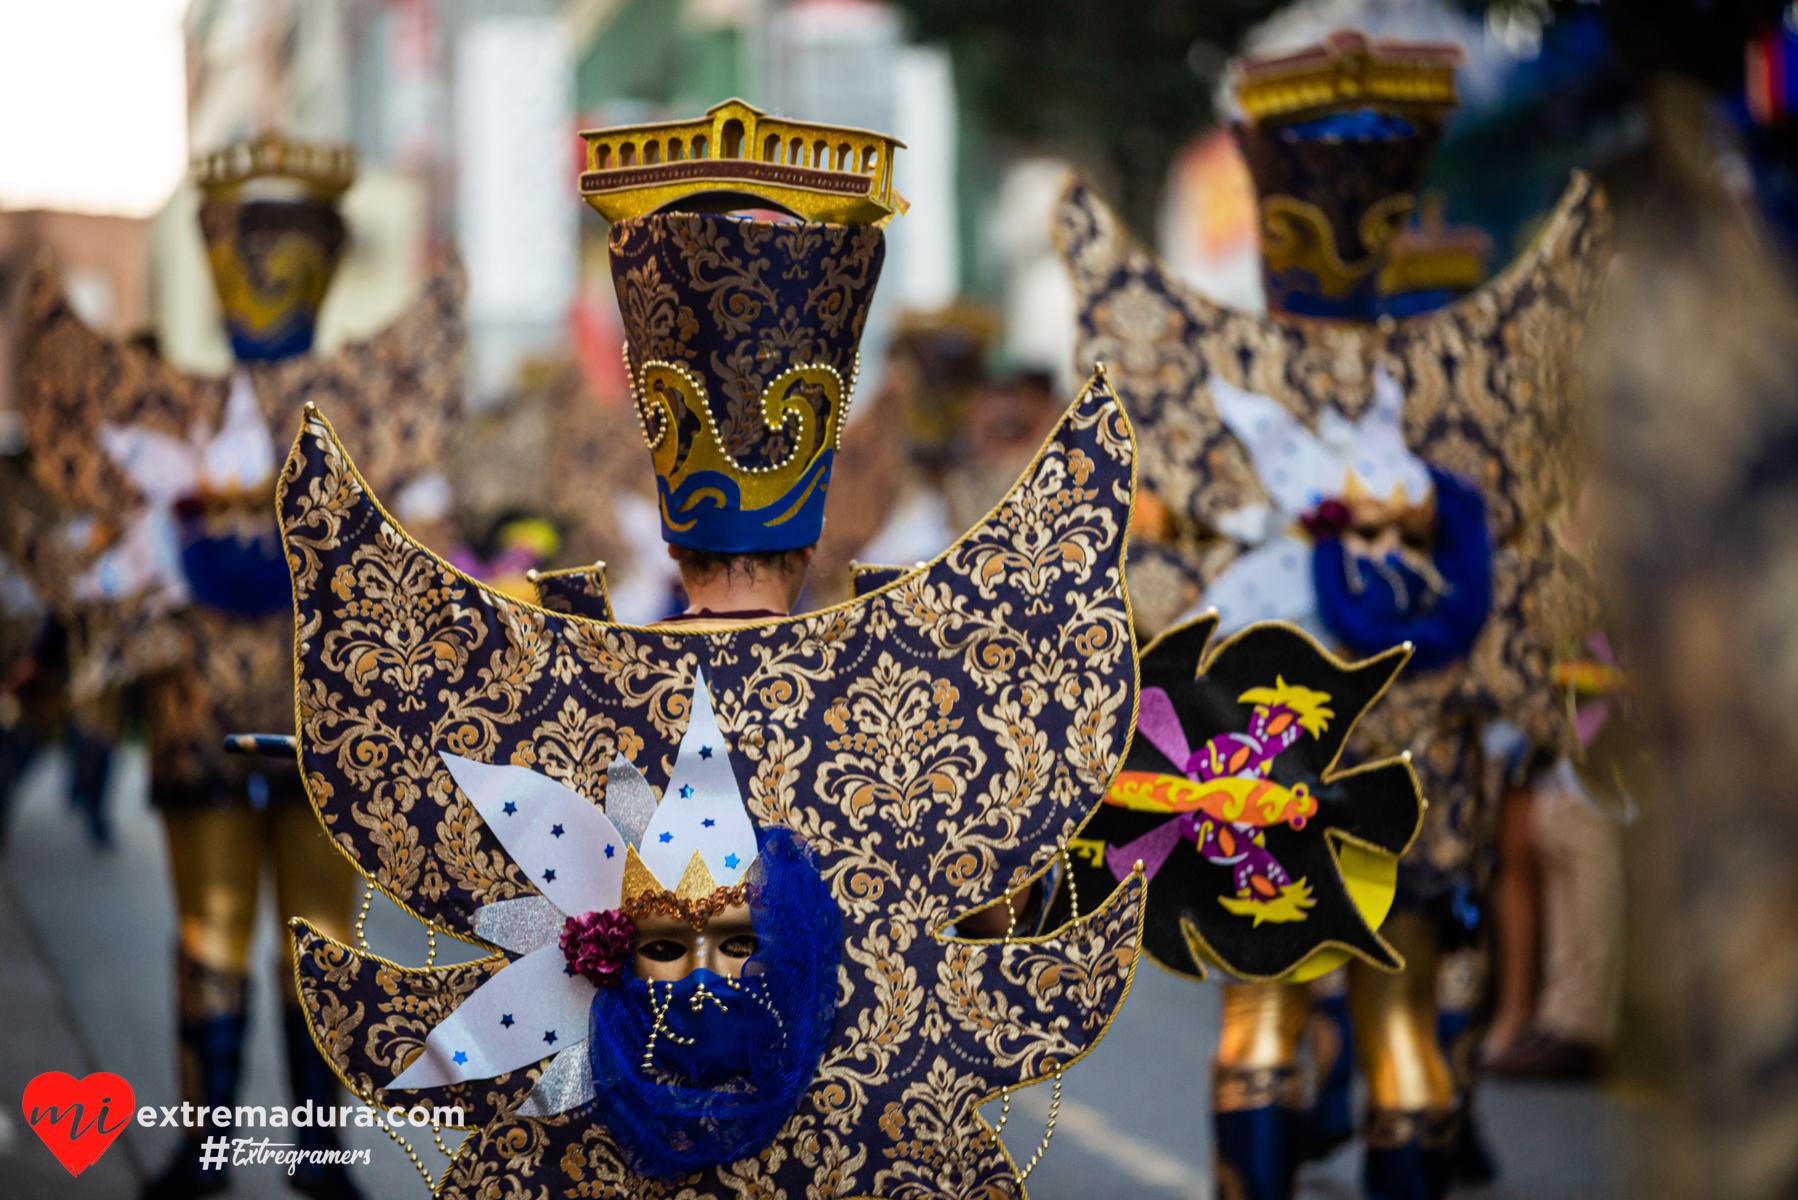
1295,466
562,841
1271,583
566,1083
703,807
532,1009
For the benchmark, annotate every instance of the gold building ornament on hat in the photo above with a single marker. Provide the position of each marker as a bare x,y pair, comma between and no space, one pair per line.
322,171
817,172
1348,70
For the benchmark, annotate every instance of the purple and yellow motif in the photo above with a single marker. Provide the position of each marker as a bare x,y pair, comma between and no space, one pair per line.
1225,799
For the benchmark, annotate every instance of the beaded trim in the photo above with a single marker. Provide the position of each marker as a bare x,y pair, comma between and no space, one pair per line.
846,394
630,379
694,912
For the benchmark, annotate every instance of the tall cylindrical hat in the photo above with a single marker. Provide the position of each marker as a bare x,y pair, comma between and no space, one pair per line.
273,238
1337,137
741,333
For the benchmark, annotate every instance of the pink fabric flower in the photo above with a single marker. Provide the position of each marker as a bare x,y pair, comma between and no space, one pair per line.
1327,520
598,945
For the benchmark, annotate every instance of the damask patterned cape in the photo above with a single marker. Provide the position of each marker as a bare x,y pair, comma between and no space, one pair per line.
395,393
936,743
1489,395
392,394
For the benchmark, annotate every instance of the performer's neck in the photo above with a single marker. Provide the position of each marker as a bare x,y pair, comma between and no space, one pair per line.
736,591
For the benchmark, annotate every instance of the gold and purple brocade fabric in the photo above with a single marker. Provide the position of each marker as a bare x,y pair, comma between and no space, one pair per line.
935,743
1333,193
742,339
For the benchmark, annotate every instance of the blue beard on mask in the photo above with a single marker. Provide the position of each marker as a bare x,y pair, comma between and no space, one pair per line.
710,1027
244,576
1372,605
732,1058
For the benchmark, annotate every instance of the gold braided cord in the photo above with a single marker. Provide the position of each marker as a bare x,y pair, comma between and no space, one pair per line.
368,898
1048,1130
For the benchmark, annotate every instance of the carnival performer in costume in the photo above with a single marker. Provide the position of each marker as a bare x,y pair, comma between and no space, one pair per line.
716,860
1375,482
40,703
179,471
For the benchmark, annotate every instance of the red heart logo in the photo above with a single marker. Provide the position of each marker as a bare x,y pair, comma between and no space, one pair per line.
78,1118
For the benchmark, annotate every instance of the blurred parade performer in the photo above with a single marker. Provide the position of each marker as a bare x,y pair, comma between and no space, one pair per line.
174,474
41,703
887,505
549,478
1376,481
716,859
1007,418
1557,891
1696,404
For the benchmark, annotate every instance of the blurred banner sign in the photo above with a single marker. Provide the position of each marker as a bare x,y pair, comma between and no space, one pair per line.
518,223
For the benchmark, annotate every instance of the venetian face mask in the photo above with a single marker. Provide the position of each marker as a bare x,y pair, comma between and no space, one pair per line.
1405,580
700,1054
668,948
1364,542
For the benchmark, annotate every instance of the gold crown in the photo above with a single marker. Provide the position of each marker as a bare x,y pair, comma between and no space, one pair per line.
696,882
1348,71
326,171
818,172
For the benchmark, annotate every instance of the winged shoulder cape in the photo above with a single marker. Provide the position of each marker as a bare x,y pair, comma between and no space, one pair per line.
395,393
935,743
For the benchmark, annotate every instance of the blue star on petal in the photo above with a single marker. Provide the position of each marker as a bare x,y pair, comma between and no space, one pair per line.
666,836
506,1020
705,752
708,822
555,831
730,862
686,789
609,849
549,1036
549,876
511,809
460,1058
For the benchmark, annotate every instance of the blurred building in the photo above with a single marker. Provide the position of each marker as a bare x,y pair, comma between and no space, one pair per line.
66,188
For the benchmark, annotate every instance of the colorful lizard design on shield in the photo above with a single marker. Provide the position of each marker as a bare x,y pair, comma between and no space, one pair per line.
1227,800
1264,853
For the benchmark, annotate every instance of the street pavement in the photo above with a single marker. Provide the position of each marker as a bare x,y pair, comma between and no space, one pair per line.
86,959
